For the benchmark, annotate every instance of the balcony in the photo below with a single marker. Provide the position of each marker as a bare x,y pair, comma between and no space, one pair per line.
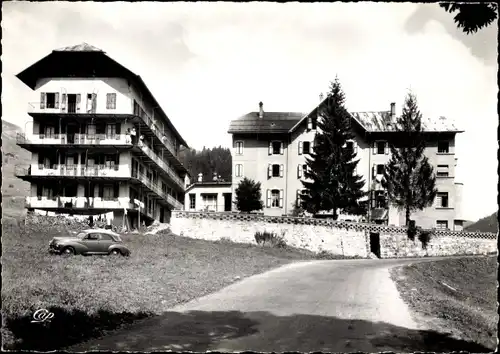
156,189
122,171
162,165
63,202
73,139
56,108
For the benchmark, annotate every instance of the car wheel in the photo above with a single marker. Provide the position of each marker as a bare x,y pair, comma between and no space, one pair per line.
115,252
68,251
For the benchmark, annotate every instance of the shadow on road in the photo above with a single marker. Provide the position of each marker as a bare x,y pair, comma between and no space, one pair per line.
262,331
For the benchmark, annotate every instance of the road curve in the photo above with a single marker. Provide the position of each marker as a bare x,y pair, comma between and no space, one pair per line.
336,306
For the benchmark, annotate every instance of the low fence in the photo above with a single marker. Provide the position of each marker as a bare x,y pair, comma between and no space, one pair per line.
338,237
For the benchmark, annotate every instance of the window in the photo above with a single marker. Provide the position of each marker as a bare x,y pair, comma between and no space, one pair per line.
210,202
275,198
276,148
192,201
93,237
306,147
108,193
49,132
443,147
380,147
442,224
239,170
276,170
91,129
51,99
442,171
111,101
302,169
109,161
239,148
110,130
442,200
380,169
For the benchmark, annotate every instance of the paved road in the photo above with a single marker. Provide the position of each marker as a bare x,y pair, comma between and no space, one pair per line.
336,306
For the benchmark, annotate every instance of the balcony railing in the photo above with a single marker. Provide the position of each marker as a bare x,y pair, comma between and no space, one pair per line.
72,170
80,139
159,133
57,107
171,173
78,202
155,188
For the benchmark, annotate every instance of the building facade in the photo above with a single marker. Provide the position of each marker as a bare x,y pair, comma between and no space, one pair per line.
99,140
271,148
212,195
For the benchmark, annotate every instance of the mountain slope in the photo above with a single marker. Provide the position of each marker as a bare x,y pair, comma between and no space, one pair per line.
14,190
486,224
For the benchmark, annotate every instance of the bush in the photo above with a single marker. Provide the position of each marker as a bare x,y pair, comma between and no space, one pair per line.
425,238
248,196
272,239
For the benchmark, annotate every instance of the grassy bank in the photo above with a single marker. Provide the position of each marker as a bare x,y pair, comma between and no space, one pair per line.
460,293
95,294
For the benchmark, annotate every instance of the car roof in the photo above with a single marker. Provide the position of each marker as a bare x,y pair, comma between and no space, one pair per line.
102,231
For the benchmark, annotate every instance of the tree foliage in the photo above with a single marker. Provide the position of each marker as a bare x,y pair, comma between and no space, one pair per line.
248,196
332,182
472,17
409,177
207,161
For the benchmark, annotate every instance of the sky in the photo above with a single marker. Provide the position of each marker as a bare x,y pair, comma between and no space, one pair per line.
209,63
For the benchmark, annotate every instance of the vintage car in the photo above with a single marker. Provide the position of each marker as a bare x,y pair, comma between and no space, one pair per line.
91,241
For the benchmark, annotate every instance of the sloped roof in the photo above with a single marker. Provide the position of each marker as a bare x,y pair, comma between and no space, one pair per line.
209,184
271,122
83,47
382,122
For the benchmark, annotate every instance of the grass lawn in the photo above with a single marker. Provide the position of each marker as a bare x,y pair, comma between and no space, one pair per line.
461,293
94,294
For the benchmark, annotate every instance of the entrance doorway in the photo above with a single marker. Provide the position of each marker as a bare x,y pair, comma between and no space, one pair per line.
227,201
375,243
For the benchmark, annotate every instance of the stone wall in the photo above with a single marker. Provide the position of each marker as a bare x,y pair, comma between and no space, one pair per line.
337,237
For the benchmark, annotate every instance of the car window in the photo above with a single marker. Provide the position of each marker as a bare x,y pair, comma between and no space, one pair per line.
106,237
93,237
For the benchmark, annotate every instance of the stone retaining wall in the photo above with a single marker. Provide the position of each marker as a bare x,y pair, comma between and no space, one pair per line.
337,237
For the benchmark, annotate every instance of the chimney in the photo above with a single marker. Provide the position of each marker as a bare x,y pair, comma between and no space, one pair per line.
200,177
393,110
321,97
261,110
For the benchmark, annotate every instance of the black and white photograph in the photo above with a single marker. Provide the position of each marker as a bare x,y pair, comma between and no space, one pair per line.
249,176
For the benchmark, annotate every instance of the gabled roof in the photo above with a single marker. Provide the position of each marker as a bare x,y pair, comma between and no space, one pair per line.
85,59
209,184
271,122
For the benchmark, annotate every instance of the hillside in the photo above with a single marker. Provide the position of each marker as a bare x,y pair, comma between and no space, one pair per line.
486,224
14,190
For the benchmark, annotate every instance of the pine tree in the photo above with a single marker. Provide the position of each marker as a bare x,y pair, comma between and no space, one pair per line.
333,183
409,177
248,196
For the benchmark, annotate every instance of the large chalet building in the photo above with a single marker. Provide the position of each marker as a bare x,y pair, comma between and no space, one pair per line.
100,142
270,147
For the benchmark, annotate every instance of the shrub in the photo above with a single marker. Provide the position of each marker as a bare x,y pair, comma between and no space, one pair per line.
297,210
272,239
425,238
248,196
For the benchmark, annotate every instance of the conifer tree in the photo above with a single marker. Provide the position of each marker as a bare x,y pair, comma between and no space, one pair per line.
409,177
248,196
332,182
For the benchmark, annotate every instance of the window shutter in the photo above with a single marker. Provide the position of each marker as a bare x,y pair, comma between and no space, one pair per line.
300,148
269,170
101,191
386,148
113,101
282,168
241,170
311,146
78,101
57,101
355,147
118,131
108,101
43,95
281,198
309,123
270,148
268,198
297,201
63,101
282,147
299,171
374,171
374,148
94,102
117,190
